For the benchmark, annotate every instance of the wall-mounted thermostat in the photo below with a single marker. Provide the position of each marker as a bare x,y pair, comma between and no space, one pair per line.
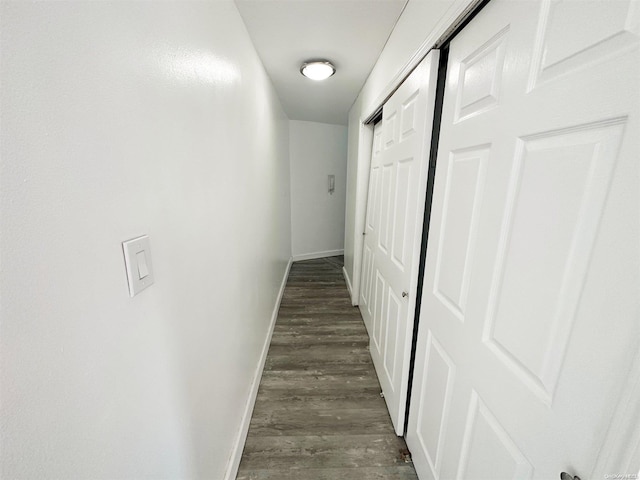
137,260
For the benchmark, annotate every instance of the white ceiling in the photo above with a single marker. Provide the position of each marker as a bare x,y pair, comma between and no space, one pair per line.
349,33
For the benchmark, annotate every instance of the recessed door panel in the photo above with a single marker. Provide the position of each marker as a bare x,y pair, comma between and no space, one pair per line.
379,319
403,195
389,129
391,346
409,119
386,208
366,258
463,198
485,438
538,285
373,195
480,77
435,401
571,36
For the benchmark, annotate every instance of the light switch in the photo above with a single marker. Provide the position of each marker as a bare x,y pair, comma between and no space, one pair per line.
137,260
141,260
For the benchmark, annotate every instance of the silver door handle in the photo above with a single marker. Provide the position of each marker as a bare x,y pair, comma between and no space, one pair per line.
566,476
406,294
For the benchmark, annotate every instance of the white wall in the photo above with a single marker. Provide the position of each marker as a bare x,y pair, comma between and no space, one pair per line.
317,218
420,25
120,119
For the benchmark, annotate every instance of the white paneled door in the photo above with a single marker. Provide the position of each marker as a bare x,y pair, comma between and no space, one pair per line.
393,232
371,230
530,311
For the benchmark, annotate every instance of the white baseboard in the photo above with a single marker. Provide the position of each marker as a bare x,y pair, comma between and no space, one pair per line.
313,256
238,446
347,280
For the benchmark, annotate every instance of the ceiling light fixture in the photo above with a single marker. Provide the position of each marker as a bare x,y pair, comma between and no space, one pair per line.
317,69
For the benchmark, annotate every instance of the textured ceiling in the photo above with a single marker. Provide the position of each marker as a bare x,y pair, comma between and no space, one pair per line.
349,33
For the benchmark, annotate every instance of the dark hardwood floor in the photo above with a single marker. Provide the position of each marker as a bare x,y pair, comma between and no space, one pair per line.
319,414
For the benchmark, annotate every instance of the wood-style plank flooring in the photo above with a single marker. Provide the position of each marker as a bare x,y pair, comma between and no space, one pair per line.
319,414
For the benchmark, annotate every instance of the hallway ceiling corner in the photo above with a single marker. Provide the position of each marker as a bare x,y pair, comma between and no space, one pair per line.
349,33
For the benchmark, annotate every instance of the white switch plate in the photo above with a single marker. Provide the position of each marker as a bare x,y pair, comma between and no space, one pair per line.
138,250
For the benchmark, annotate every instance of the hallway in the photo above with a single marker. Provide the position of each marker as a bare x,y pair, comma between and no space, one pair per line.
319,414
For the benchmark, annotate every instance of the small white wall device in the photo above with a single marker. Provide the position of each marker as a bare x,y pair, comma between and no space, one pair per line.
137,260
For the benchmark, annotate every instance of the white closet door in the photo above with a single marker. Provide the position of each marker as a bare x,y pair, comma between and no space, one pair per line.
371,229
529,322
393,230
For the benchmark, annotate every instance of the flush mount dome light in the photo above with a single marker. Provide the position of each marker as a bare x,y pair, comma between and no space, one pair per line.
317,69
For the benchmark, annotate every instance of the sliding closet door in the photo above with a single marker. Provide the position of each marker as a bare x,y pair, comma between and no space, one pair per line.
371,230
394,228
529,317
